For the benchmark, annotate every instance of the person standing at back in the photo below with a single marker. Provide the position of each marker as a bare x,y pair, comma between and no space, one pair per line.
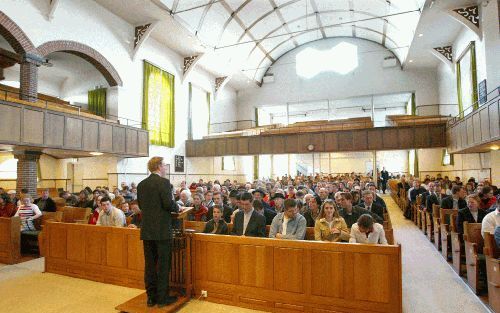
156,202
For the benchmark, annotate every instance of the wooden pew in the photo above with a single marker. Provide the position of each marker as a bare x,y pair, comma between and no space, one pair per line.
457,249
429,226
47,217
473,245
436,226
74,214
10,240
491,253
445,217
297,276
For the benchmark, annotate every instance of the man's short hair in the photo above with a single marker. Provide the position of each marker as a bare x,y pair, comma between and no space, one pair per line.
246,196
367,192
290,203
218,207
154,163
455,189
105,198
365,221
299,193
346,195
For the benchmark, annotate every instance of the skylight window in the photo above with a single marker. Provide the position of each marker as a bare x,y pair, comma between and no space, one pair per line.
342,59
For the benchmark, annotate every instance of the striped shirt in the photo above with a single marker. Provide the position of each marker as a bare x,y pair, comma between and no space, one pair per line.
26,213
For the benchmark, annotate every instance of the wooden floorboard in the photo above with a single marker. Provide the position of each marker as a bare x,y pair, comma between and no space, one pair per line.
138,305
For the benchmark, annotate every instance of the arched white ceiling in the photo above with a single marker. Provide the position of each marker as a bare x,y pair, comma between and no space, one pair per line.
251,35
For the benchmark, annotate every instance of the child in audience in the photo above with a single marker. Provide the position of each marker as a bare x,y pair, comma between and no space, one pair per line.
217,225
28,212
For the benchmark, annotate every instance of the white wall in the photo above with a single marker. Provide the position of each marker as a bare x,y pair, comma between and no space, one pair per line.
369,78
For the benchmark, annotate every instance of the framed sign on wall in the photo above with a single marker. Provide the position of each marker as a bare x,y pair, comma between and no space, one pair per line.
179,163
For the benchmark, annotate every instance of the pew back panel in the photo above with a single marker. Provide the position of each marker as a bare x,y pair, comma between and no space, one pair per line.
473,245
10,240
308,276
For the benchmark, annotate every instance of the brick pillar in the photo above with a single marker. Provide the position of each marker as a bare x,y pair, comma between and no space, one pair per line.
29,79
27,171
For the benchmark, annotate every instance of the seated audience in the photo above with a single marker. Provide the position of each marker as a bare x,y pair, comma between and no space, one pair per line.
226,211
366,231
7,208
45,203
269,214
247,222
434,197
456,200
109,215
416,191
217,225
136,215
472,213
259,195
312,213
278,199
199,212
95,213
84,201
288,224
125,207
95,194
330,226
185,199
491,221
208,200
378,200
350,213
487,198
118,201
371,206
28,212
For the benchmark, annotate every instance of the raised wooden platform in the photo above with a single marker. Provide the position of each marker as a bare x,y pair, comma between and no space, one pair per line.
138,305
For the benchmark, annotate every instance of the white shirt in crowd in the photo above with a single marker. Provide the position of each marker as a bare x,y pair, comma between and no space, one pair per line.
377,236
490,222
285,223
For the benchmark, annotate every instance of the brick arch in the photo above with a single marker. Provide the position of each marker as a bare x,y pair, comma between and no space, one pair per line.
85,52
15,36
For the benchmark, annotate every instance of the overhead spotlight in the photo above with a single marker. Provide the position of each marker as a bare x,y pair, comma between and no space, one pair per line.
494,148
420,35
411,61
96,153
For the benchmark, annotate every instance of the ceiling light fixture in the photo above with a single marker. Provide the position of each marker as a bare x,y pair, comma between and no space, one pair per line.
96,153
420,35
411,61
494,148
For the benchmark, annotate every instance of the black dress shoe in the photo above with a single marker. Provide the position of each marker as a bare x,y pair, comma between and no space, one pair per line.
168,300
151,301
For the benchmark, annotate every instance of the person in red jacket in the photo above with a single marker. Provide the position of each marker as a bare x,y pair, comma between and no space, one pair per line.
487,198
199,212
7,208
95,215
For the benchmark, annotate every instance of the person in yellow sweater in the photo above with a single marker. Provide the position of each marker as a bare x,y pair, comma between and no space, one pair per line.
330,226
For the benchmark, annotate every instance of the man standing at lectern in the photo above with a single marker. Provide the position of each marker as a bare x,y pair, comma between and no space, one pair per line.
154,195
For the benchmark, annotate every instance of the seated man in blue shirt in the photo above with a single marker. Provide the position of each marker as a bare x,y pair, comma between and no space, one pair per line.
288,224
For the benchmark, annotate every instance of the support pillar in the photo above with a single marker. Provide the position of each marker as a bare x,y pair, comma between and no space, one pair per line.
27,171
375,177
28,88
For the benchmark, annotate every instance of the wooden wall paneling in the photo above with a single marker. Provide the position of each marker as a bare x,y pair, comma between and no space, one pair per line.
364,277
198,148
90,135
220,147
10,127
476,122
494,117
32,126
345,139
76,245
131,142
116,250
54,130
231,146
243,143
95,247
291,143
470,130
256,266
266,144
288,269
105,137
390,138
375,140
406,137
331,142
190,148
73,133
327,264
318,140
462,128
254,145
57,242
422,136
484,124
303,141
119,139
10,240
220,261
208,147
278,145
135,252
437,135
360,140
143,142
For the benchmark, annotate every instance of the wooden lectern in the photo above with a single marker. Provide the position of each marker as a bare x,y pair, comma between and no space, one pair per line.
180,270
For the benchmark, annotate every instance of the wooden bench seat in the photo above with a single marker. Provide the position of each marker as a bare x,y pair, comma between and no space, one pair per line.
474,258
10,240
491,252
457,248
446,215
75,214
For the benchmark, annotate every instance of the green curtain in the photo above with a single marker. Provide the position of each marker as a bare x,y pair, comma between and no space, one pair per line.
459,91
158,110
473,73
208,103
255,167
97,101
415,164
256,117
413,104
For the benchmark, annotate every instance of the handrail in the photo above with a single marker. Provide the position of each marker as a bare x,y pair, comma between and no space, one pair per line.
461,115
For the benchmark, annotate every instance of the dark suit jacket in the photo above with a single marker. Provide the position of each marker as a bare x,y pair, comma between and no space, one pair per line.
432,199
447,203
269,214
384,175
256,226
415,192
406,186
221,227
465,215
378,200
226,213
50,205
156,203
377,209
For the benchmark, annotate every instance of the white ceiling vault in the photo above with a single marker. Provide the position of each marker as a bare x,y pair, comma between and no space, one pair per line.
250,35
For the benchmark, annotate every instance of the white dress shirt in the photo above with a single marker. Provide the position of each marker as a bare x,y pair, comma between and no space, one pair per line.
490,221
377,236
246,219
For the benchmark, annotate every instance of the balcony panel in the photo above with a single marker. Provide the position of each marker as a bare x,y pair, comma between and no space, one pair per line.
73,133
10,127
53,136
90,135
32,129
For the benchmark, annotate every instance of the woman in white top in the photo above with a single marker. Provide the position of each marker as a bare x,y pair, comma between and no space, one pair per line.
28,212
368,232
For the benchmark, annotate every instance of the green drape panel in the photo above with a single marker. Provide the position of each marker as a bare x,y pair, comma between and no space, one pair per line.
473,73
413,104
208,103
255,167
256,117
459,91
415,164
97,101
158,110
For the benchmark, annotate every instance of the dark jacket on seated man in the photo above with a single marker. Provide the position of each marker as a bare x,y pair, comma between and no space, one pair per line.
351,218
256,225
220,229
375,208
432,198
416,192
447,203
47,205
465,215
